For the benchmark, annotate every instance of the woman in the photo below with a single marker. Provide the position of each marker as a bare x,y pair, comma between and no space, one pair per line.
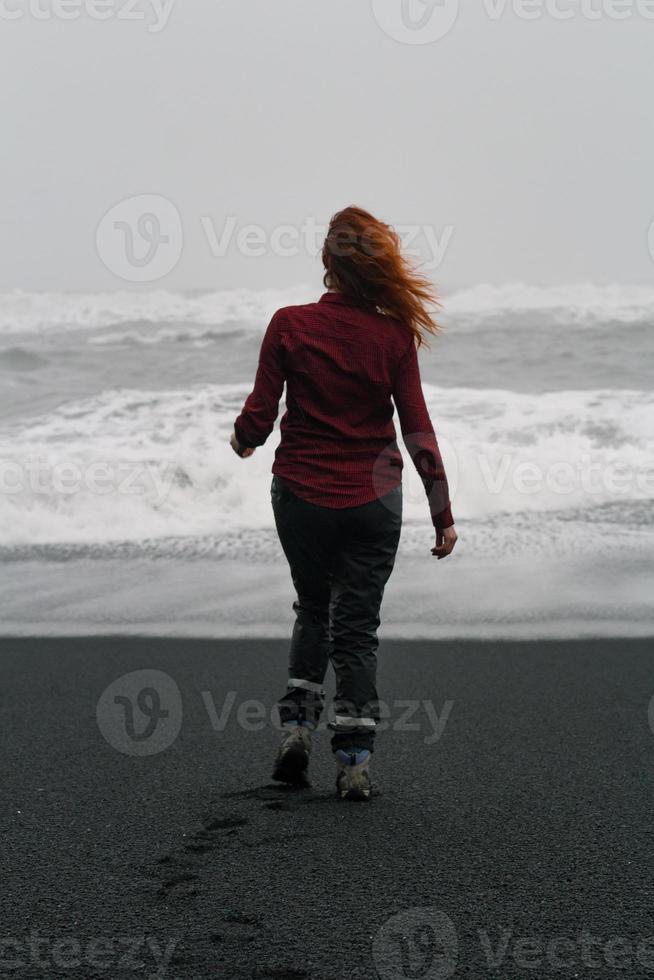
337,484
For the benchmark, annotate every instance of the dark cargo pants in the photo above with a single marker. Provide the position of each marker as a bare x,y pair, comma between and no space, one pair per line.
340,561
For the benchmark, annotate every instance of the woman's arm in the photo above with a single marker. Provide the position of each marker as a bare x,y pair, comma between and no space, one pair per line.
420,439
256,421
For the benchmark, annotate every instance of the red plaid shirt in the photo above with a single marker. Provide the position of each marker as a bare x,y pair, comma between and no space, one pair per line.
342,366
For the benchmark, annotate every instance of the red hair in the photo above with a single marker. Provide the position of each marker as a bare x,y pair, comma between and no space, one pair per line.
363,260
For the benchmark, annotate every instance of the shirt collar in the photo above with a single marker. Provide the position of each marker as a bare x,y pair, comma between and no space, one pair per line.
335,298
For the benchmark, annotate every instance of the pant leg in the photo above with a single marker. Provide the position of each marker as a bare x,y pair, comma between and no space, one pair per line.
308,535
363,565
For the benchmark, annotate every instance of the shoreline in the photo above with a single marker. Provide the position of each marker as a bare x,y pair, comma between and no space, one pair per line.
465,596
611,631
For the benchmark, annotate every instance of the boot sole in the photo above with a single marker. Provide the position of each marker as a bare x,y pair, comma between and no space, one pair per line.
292,768
355,795
359,792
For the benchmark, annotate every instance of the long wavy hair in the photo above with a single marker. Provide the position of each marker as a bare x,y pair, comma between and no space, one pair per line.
363,260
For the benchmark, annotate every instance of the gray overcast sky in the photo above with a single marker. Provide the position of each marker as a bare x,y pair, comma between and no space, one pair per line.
531,140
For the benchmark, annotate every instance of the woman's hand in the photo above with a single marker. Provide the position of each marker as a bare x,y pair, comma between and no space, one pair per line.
445,541
238,449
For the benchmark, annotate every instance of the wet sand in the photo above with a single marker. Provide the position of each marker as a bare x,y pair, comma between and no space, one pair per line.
512,818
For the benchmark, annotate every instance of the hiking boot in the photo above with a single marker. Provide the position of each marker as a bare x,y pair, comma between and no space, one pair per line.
352,776
293,755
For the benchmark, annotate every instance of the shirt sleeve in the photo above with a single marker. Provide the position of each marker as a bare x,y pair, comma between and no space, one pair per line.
420,439
257,418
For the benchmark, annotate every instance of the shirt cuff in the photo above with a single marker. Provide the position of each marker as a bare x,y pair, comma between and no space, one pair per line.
242,439
443,520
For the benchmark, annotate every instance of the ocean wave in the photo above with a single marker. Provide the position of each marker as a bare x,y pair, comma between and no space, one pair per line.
23,312
196,334
20,359
501,537
155,466
581,304
577,304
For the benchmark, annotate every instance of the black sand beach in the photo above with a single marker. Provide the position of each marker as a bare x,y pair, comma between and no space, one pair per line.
514,816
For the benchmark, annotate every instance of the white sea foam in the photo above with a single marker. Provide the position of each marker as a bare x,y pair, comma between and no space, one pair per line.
154,469
576,304
36,312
